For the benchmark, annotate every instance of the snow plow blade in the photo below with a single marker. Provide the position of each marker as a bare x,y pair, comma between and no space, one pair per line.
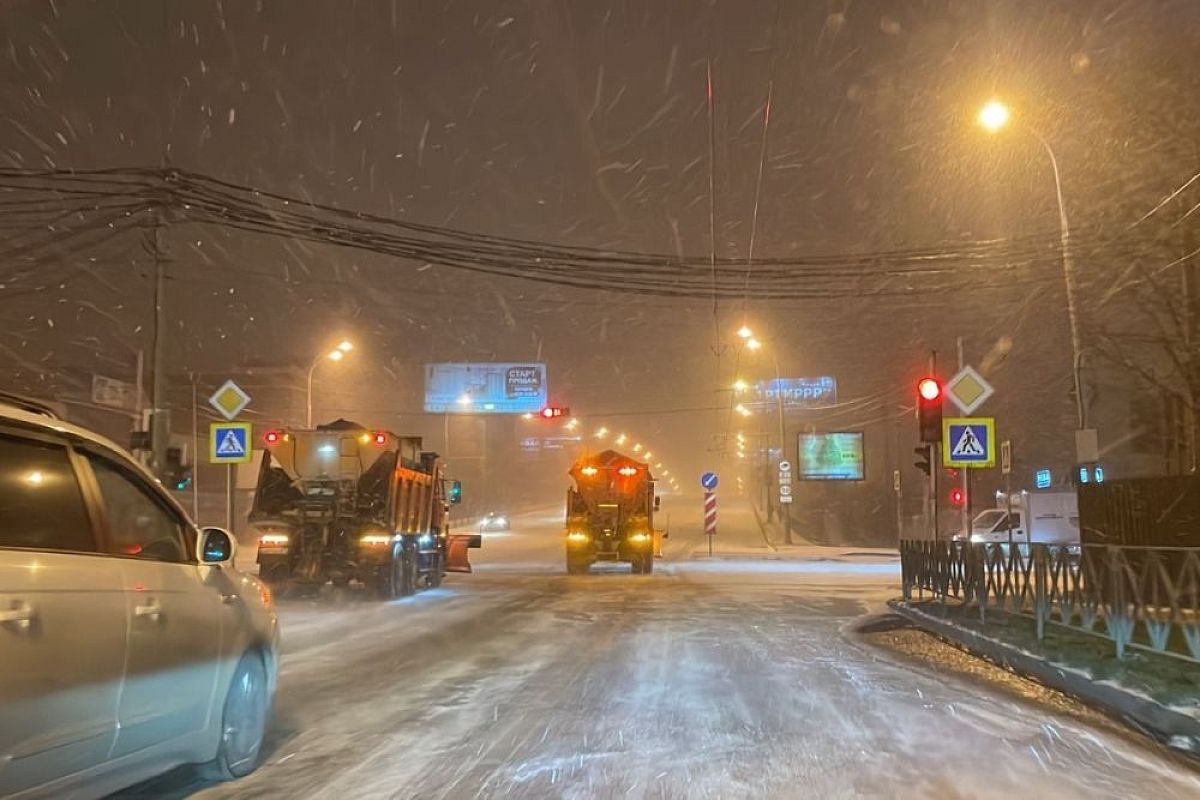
459,544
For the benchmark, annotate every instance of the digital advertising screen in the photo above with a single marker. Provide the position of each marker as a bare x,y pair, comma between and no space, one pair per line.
831,457
485,388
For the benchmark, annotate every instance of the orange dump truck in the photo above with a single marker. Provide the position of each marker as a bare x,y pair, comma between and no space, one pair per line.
610,513
356,508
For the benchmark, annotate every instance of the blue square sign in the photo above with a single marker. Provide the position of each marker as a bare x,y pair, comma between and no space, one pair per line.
229,443
969,442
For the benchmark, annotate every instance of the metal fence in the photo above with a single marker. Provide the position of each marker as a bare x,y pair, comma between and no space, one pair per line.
1137,597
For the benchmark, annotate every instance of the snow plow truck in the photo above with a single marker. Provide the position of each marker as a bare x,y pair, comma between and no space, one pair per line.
355,508
610,513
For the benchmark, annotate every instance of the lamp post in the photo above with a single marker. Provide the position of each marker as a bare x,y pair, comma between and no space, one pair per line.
993,117
754,345
337,354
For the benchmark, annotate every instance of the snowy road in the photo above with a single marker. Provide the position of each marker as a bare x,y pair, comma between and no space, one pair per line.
725,678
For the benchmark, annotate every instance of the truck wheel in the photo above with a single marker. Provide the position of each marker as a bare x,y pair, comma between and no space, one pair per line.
636,565
408,573
388,582
434,576
576,567
647,563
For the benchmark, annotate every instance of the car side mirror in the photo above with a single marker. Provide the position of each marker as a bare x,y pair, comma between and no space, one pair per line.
455,493
216,546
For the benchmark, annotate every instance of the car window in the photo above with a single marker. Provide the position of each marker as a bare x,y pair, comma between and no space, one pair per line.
41,505
140,525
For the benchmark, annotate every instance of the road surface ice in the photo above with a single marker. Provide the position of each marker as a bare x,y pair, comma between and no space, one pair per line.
709,678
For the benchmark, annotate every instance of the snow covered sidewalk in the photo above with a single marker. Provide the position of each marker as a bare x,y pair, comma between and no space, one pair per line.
1156,694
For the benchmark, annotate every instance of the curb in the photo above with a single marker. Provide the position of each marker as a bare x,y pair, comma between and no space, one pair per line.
1176,730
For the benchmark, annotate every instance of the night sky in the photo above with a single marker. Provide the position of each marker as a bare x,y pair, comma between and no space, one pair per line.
586,123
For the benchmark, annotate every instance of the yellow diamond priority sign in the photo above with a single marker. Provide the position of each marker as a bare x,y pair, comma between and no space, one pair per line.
968,389
229,400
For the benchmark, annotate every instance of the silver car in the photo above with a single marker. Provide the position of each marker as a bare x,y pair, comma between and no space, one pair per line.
128,642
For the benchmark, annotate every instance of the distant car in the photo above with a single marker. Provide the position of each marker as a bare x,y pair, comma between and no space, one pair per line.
129,644
494,522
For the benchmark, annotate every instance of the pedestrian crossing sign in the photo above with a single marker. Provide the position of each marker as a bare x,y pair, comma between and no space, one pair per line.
969,442
229,443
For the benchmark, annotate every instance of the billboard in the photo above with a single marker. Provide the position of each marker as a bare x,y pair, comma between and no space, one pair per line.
484,388
831,457
797,393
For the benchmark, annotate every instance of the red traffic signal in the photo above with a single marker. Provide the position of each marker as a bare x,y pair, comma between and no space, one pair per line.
550,412
958,498
272,437
929,409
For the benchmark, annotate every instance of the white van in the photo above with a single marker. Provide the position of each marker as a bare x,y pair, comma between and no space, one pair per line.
1036,517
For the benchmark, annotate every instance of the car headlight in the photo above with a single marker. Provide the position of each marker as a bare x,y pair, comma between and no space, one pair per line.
424,538
577,536
273,540
501,521
640,537
375,539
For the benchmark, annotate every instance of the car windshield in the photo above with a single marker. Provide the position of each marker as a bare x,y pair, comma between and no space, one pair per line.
988,520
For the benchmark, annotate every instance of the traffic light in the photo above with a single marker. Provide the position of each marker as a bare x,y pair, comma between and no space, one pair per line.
924,460
177,473
929,409
551,412
958,498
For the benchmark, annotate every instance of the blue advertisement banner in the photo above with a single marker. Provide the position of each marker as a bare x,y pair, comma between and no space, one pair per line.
511,388
797,393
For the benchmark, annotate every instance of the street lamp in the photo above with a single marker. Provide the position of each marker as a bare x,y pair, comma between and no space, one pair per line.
754,344
335,355
745,332
993,117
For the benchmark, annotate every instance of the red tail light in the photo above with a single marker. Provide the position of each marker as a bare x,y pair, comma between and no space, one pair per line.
381,438
272,437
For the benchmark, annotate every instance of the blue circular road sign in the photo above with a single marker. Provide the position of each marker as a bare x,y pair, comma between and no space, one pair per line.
709,480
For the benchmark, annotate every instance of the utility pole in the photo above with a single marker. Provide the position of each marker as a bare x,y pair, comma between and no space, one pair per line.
159,417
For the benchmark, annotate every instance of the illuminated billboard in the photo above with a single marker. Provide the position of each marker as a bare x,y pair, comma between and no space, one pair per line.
831,457
484,388
796,393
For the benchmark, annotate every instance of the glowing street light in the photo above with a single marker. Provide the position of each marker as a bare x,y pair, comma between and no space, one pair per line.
741,409
745,332
600,434
753,344
335,355
994,115
740,385
620,440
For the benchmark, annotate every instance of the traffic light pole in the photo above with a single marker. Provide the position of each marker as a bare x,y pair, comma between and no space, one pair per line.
934,461
965,523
